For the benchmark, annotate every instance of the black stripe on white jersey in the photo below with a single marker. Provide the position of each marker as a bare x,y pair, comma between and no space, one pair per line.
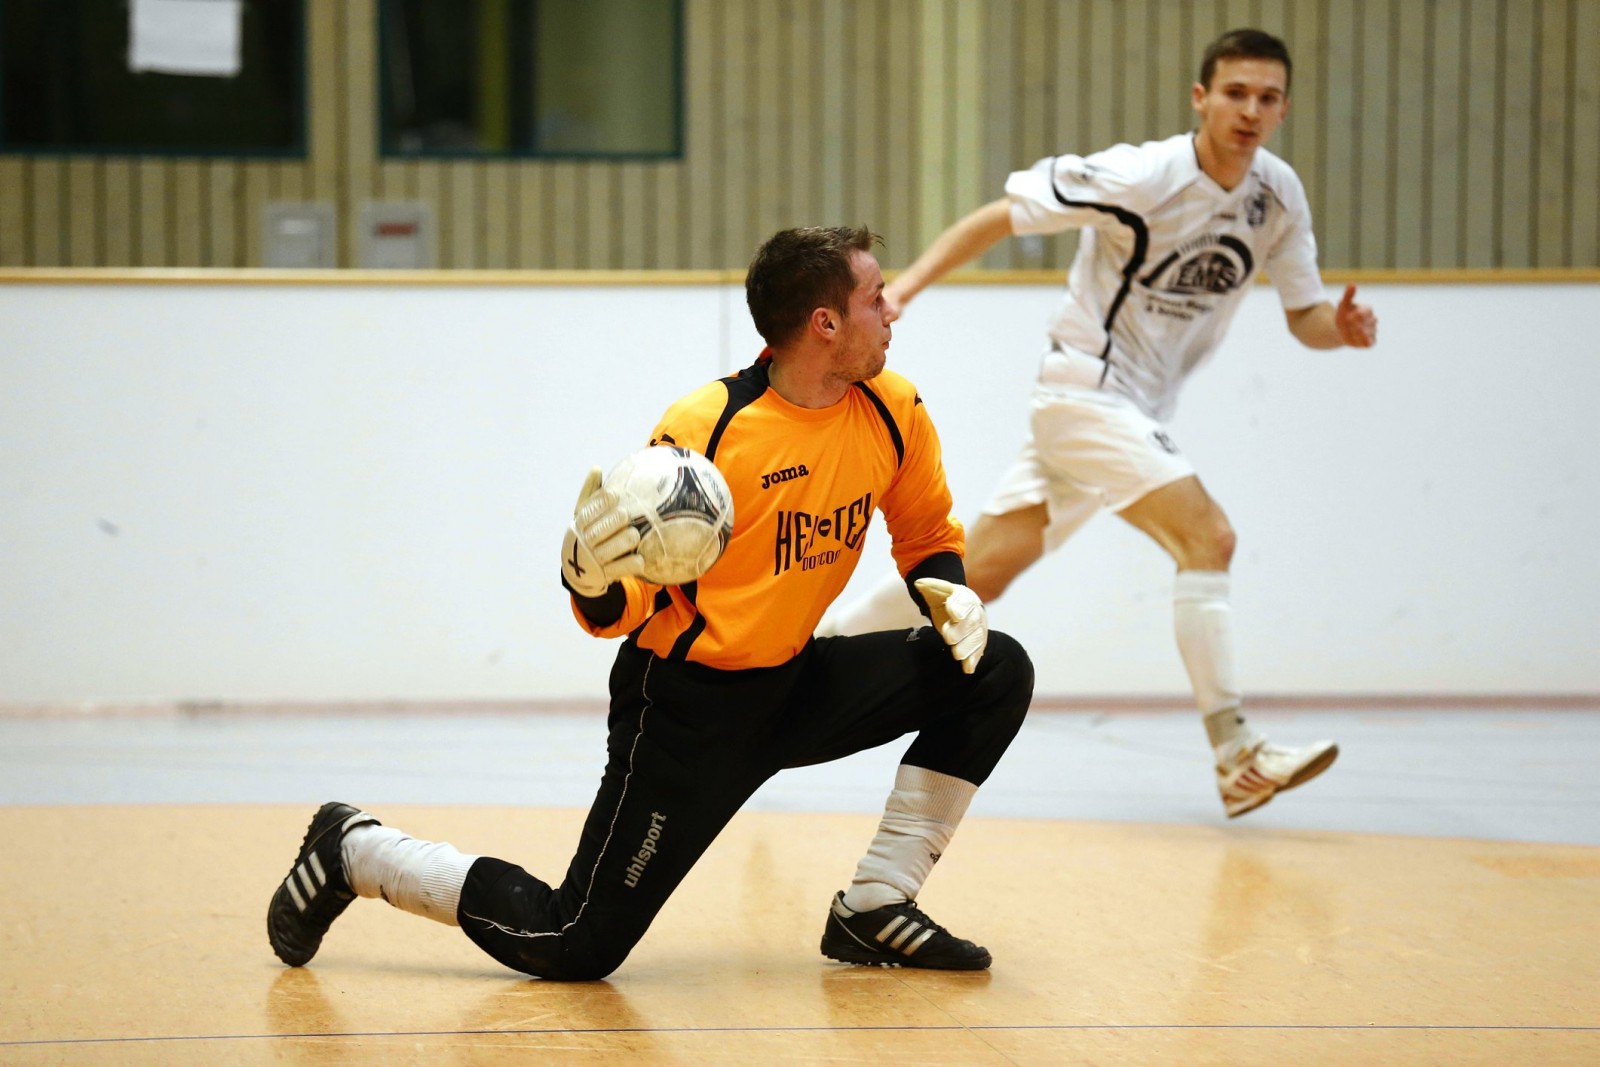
1141,248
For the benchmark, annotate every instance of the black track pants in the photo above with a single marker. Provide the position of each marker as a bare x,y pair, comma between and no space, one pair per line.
688,745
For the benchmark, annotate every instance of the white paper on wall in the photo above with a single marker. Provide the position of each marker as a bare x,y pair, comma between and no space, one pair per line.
185,36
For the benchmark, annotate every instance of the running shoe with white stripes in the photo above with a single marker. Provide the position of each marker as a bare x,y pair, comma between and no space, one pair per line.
1259,771
896,935
316,891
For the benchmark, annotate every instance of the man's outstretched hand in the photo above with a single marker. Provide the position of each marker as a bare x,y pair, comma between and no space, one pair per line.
1357,323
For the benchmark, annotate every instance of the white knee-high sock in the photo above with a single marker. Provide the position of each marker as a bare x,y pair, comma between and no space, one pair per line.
422,877
887,606
922,813
1203,621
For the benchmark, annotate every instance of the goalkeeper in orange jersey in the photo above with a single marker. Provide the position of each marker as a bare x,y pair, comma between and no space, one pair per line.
719,684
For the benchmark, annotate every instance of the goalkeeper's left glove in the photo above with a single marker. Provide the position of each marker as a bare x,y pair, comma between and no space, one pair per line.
960,618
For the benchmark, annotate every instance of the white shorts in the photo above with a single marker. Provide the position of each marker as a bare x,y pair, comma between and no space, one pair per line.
1087,449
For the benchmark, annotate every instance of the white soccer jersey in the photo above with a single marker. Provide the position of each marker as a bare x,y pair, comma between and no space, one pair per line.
1164,256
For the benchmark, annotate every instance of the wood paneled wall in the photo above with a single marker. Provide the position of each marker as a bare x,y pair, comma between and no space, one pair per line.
1432,134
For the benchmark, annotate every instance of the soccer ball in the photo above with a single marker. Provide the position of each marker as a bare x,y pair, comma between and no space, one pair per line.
681,506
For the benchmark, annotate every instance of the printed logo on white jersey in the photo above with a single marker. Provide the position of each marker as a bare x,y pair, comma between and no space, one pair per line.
1213,264
1210,272
1255,210
1165,443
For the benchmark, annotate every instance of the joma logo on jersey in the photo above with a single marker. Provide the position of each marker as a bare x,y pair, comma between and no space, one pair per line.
808,540
788,474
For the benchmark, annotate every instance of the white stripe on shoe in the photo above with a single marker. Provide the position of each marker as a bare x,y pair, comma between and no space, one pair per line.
311,887
905,935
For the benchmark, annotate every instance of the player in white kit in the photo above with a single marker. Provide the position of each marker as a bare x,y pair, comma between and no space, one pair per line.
1172,233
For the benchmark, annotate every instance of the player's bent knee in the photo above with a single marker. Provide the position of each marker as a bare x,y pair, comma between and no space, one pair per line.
989,585
1224,541
990,574
588,966
1207,548
511,915
1012,675
571,960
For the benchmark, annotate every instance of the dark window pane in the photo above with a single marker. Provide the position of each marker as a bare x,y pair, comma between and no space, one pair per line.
605,77
65,84
532,77
431,84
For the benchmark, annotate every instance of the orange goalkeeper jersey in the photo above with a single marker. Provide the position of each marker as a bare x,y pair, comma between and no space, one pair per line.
807,484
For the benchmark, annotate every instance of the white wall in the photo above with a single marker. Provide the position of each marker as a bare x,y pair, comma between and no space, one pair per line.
240,493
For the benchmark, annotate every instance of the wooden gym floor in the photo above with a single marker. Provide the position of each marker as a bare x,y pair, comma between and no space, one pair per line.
133,933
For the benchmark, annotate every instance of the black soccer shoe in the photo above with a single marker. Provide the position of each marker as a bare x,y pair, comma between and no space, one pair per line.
896,935
316,891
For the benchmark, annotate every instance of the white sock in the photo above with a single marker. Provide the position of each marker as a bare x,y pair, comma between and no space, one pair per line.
422,877
1204,624
921,815
888,606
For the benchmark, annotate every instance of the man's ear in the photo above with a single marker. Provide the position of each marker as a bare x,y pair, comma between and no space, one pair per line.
825,321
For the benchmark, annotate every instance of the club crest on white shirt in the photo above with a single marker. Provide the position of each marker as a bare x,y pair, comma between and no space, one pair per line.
1215,264
1255,210
1209,272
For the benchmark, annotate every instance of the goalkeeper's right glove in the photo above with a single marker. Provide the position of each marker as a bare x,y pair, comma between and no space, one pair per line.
960,618
600,545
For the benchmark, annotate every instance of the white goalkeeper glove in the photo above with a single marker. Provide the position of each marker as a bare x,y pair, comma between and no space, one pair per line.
960,618
600,545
